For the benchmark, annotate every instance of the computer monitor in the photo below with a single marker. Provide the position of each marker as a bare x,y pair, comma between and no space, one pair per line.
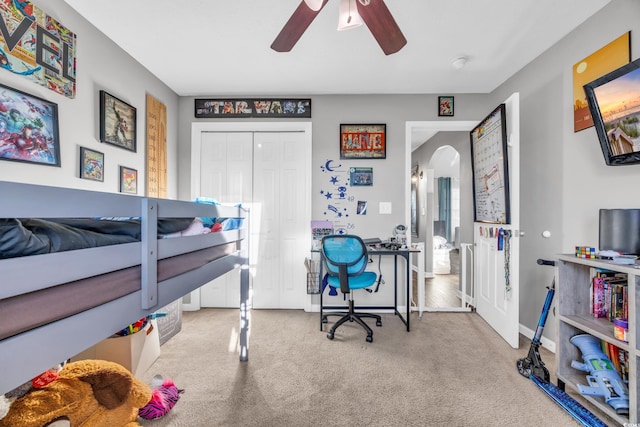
620,230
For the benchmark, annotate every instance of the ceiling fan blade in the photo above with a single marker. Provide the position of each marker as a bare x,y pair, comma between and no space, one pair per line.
295,27
380,22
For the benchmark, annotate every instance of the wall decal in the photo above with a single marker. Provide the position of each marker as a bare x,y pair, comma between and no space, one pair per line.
339,205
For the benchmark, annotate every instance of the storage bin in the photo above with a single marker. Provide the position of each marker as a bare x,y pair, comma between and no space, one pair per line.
135,352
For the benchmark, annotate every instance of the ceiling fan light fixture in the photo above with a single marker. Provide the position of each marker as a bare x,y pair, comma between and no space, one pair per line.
314,5
348,16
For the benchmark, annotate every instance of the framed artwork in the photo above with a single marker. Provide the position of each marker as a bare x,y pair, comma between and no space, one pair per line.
251,107
445,106
360,176
28,128
38,47
606,59
117,122
361,209
91,164
128,180
363,141
414,201
489,166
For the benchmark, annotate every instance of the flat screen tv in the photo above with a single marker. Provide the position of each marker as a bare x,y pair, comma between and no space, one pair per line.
620,230
614,102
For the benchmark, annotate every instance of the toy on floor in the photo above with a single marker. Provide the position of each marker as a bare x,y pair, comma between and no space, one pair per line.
86,393
533,368
604,380
164,396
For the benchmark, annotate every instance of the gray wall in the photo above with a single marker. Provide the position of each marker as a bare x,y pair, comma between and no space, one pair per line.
328,112
564,180
552,155
101,64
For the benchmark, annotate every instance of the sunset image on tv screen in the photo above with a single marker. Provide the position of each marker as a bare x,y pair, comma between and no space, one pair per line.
619,105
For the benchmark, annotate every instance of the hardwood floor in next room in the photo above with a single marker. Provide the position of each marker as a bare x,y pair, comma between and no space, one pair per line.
441,291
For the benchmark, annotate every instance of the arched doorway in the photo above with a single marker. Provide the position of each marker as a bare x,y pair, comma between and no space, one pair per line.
423,139
442,288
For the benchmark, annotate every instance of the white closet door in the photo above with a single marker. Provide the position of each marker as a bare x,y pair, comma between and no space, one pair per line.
268,172
280,225
226,174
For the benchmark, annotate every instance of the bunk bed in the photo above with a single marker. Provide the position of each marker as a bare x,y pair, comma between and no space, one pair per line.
55,305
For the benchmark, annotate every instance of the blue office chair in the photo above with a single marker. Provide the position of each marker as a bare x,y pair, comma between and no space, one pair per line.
345,259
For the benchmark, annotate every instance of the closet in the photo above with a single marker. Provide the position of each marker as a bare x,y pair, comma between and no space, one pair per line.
269,173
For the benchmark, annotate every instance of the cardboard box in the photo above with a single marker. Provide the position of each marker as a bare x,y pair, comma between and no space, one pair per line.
135,352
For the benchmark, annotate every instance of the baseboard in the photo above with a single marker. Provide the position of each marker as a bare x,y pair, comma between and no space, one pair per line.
469,300
546,343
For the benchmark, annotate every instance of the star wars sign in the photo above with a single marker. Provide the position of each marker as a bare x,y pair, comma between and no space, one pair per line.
35,45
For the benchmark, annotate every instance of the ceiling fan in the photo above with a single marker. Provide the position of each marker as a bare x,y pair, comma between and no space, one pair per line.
374,14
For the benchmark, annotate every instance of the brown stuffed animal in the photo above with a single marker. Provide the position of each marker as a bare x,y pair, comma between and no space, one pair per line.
89,393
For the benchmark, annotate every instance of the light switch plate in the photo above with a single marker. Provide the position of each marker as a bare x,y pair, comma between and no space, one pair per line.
385,208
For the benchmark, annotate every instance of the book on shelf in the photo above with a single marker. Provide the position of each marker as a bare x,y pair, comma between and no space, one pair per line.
608,295
619,359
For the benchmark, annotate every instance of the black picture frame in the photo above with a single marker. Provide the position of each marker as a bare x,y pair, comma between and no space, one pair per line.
446,106
118,122
360,177
29,131
414,201
252,107
490,168
91,164
615,95
363,141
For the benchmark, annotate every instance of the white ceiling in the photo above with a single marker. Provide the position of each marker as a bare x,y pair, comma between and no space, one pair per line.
222,48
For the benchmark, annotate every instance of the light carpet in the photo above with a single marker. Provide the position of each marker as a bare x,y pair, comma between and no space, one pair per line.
452,369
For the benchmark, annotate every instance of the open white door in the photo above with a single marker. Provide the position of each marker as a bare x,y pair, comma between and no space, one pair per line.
496,269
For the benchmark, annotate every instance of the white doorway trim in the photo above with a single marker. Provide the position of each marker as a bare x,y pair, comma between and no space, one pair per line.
428,128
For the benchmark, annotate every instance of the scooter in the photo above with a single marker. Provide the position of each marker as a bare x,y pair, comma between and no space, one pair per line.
533,367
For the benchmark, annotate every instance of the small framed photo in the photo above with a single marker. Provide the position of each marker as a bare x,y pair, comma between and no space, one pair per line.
128,180
360,176
117,122
445,106
91,164
363,141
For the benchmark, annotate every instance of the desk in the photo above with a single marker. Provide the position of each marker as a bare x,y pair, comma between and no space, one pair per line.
405,253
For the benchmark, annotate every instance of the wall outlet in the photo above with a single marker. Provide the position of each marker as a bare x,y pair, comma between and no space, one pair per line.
385,208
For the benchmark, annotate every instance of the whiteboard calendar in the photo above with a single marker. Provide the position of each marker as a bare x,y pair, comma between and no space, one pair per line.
490,169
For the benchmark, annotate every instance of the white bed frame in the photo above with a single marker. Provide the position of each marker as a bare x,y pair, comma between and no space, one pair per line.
28,354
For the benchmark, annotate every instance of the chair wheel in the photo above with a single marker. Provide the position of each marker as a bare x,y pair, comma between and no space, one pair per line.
369,338
379,323
330,335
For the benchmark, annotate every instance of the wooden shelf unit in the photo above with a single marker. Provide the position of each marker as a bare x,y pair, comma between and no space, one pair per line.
573,282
